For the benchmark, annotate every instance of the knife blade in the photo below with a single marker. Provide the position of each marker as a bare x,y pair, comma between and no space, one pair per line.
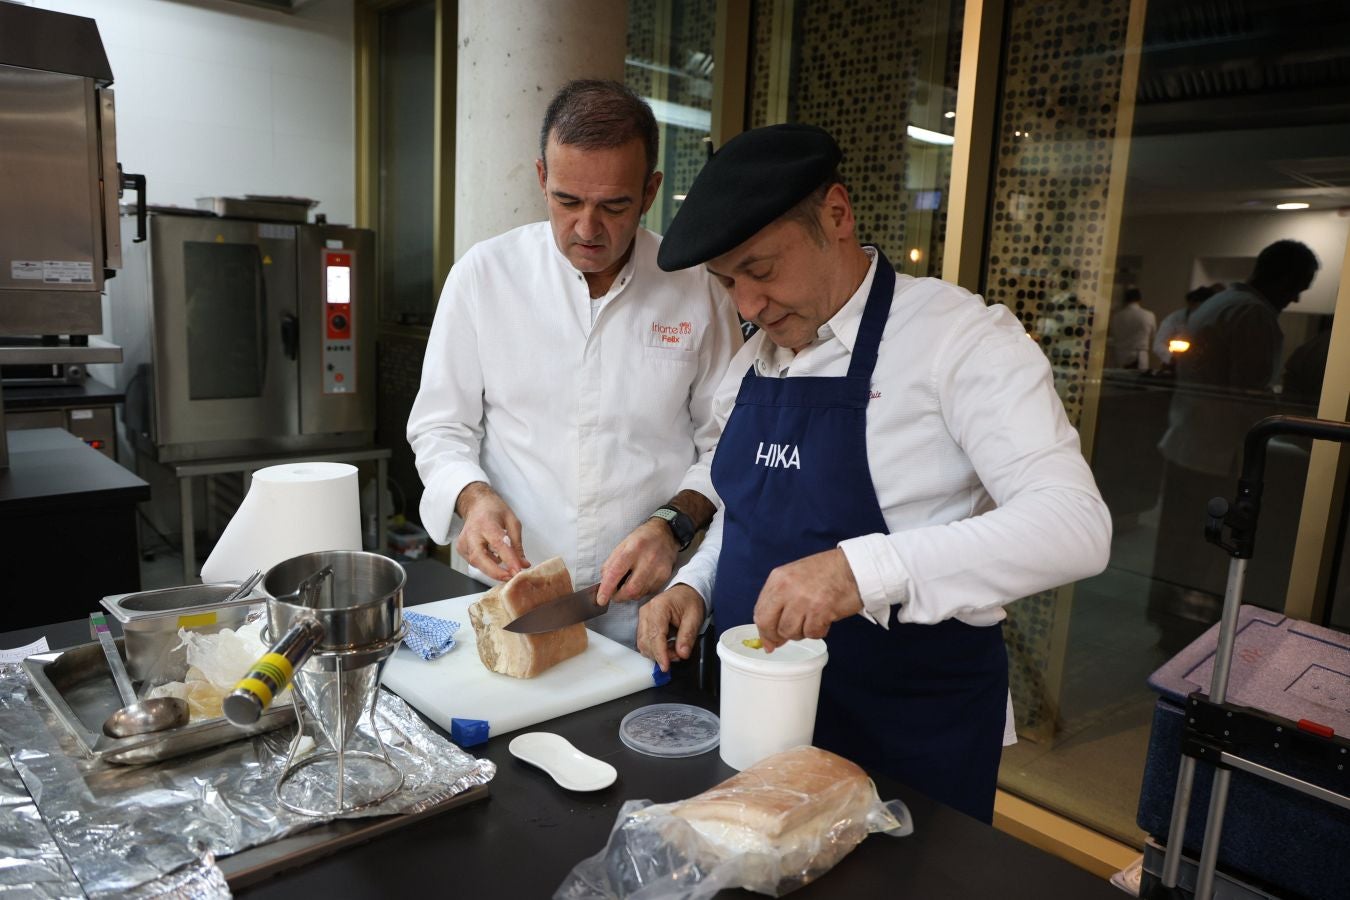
568,609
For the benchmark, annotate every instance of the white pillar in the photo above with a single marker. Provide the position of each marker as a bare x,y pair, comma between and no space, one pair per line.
513,55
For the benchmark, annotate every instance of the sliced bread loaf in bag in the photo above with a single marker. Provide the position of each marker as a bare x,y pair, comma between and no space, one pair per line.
777,825
806,806
525,655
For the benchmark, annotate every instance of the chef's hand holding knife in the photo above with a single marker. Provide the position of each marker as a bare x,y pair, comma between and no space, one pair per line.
648,555
490,540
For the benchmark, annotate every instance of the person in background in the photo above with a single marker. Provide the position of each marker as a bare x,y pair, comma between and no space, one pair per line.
566,395
1173,326
1129,334
894,468
1224,385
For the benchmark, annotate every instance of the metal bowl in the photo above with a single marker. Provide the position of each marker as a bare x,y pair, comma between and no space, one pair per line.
359,605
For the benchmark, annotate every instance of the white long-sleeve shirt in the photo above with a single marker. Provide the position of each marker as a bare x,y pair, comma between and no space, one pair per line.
583,429
979,475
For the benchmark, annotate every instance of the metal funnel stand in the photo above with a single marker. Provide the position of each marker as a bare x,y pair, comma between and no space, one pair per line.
354,601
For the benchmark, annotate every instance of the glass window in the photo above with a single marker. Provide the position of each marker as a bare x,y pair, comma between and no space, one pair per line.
669,63
1201,287
226,343
407,115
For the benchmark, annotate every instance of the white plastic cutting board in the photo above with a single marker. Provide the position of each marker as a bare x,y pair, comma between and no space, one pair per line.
458,686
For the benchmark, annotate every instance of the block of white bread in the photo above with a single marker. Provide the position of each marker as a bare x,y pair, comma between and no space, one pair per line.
805,807
525,655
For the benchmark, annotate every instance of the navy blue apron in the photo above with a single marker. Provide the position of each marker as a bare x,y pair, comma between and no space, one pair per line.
924,704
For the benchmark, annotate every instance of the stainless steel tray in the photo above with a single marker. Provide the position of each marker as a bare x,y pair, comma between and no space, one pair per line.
260,206
79,688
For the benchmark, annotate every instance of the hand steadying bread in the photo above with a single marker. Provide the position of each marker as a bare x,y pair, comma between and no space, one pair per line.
525,655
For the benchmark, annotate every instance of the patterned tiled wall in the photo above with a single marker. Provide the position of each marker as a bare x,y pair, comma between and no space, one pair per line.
855,72
1061,91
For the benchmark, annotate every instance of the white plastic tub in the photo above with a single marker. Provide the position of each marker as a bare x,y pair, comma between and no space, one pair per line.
768,699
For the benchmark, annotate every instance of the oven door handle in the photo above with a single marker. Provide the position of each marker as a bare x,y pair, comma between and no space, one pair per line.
290,335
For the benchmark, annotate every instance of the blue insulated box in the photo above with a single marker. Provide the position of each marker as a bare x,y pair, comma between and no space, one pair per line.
1272,835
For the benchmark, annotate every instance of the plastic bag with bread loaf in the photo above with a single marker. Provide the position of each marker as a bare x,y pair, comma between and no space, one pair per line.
774,827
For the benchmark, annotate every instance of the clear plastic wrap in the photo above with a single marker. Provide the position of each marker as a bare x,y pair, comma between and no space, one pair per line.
776,826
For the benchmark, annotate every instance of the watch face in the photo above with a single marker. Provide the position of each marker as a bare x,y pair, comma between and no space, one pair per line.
681,526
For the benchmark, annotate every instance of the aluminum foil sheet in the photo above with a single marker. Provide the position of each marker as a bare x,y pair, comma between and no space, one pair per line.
85,826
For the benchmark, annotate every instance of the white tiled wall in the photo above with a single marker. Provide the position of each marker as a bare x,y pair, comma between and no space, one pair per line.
217,98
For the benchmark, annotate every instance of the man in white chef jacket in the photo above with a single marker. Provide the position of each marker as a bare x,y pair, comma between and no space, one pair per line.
894,467
566,394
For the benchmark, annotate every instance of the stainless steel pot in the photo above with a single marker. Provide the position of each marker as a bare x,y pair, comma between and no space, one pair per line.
343,607
360,604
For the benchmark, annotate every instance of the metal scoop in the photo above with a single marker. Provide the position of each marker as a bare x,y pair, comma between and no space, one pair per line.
137,717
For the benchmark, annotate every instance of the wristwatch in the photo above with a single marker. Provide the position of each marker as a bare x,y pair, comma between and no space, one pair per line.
681,526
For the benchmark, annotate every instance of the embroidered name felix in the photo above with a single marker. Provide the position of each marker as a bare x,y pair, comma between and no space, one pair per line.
778,456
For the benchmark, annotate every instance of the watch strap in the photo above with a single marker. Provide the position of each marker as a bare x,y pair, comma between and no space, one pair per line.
680,524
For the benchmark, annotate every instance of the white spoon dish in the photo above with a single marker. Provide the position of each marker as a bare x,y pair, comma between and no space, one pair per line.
567,765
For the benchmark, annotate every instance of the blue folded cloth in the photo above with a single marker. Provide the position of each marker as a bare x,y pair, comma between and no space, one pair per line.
428,636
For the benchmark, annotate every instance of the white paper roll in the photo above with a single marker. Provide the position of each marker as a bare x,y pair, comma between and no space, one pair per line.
290,510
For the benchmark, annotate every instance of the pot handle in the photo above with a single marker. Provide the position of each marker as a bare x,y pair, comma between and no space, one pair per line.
269,676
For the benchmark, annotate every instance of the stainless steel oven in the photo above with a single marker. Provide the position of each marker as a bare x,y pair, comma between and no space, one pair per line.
245,337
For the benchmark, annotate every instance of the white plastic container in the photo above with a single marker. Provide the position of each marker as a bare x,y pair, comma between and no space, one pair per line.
768,699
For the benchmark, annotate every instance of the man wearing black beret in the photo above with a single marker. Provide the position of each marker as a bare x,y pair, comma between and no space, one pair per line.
895,467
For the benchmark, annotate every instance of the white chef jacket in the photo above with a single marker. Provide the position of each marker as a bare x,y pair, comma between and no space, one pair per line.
584,430
977,470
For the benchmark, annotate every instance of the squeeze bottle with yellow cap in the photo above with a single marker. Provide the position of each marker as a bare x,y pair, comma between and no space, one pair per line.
270,675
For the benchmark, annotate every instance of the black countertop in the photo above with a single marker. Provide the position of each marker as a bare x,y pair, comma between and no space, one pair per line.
53,471
527,835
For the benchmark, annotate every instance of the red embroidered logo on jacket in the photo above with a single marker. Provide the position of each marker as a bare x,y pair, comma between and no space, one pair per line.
679,336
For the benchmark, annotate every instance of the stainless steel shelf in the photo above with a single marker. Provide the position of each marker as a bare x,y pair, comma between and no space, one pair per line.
97,352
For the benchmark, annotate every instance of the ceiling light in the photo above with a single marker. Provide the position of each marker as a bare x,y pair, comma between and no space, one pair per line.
929,137
1291,206
915,255
679,198
949,114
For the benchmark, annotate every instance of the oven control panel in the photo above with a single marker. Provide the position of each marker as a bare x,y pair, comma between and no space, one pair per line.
339,348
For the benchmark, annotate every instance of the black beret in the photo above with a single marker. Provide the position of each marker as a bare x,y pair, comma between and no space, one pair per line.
756,177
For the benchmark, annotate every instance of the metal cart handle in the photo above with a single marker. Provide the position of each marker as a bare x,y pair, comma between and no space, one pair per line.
1241,515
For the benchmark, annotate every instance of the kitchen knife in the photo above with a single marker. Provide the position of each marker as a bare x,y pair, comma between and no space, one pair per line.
569,609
